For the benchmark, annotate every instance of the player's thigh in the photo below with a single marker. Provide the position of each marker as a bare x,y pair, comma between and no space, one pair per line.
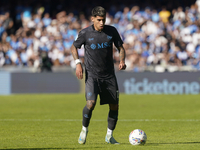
110,92
112,85
91,89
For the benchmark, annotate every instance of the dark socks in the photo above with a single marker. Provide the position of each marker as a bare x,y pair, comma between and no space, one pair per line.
112,119
87,113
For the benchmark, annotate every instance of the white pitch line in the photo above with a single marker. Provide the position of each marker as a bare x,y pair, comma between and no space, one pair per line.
121,120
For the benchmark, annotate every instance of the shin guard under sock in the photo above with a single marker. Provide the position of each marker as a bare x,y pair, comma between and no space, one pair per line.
112,119
87,113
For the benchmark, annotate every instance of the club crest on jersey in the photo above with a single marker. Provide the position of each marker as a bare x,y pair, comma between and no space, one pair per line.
109,37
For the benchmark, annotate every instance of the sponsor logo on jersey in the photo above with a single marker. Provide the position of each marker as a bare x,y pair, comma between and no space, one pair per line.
93,46
101,45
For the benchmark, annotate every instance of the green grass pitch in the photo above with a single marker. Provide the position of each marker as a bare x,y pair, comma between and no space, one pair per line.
53,121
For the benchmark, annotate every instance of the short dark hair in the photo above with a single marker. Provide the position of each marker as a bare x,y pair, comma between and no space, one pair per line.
98,11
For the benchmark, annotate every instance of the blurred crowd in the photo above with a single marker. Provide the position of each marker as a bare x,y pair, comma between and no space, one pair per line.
159,38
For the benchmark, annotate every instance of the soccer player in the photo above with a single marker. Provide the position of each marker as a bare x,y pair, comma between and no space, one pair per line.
100,76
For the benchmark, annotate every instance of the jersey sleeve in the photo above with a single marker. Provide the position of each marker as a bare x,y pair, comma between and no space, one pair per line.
80,39
117,39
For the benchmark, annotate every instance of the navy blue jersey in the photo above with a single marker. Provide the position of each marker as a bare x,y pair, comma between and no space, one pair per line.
98,46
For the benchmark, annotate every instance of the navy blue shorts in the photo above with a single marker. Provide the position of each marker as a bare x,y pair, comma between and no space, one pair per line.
107,89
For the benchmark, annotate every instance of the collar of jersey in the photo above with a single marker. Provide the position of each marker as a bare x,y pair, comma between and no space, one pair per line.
96,30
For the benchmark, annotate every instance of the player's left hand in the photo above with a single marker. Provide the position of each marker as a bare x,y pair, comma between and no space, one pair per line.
122,66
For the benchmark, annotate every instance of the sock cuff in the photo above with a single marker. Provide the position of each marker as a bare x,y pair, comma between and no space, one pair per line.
84,128
109,131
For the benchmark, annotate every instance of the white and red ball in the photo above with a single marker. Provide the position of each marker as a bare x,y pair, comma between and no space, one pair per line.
137,137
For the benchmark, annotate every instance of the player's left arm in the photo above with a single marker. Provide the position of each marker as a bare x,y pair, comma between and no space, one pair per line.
122,55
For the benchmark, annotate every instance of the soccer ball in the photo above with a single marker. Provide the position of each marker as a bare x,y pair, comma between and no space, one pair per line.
137,137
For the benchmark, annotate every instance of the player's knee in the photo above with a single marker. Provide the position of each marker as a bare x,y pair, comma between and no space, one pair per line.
114,106
91,104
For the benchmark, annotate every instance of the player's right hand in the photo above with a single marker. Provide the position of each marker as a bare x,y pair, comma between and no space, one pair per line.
122,66
79,71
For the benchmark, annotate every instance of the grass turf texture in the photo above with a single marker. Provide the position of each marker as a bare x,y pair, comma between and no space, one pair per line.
53,121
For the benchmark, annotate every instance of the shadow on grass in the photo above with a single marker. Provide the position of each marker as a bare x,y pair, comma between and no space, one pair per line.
47,148
147,144
156,144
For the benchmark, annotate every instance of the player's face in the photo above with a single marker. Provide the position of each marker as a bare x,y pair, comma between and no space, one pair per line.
99,22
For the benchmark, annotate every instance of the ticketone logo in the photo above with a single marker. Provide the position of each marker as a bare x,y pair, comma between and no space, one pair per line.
160,87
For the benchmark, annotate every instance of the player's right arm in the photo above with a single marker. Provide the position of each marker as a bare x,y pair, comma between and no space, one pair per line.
79,68
77,44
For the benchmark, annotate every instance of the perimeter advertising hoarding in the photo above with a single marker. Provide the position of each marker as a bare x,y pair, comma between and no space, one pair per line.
159,83
44,83
129,83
